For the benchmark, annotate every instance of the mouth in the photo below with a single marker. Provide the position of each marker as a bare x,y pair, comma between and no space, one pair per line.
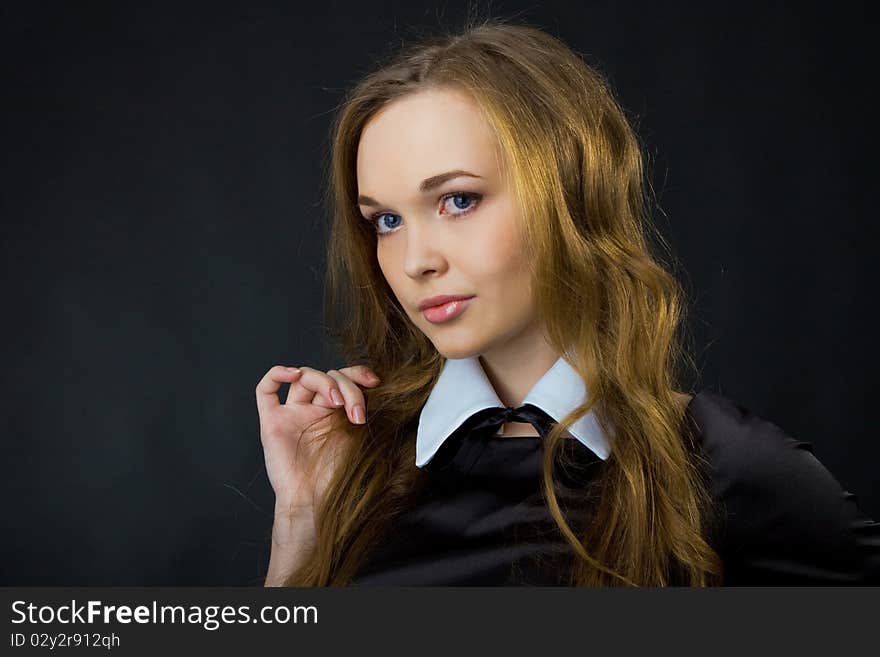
446,312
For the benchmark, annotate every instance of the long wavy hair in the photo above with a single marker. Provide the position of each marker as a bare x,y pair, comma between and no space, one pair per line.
608,305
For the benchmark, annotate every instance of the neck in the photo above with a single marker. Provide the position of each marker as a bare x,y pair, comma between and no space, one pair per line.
513,370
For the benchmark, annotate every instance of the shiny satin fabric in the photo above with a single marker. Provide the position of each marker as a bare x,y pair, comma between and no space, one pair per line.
482,519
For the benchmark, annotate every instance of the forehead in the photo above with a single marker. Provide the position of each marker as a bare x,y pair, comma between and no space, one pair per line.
421,135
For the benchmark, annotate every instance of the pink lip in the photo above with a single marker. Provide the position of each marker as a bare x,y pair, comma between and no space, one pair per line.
441,299
446,311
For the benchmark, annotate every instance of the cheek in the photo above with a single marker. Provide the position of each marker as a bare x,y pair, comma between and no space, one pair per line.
497,254
388,268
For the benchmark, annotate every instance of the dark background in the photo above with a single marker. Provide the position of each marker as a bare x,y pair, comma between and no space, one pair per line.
162,245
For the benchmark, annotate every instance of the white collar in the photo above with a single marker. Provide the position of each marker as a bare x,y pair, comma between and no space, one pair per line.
463,389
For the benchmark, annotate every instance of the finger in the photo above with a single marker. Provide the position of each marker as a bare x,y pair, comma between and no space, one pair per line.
315,387
361,374
354,398
267,388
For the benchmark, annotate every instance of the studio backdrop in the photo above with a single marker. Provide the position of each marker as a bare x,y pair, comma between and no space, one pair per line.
163,231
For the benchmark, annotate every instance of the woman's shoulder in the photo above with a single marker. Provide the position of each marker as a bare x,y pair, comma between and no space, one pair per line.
749,453
743,445
786,516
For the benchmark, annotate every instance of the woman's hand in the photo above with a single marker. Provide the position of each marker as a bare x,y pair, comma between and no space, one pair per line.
297,471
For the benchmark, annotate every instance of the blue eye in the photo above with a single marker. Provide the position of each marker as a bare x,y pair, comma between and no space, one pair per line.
469,200
454,198
378,219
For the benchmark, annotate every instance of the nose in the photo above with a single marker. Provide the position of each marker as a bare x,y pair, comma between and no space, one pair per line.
424,250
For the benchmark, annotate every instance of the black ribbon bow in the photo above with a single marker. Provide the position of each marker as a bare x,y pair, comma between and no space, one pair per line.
492,418
468,441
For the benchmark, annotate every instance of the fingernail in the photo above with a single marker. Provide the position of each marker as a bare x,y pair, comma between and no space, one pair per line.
358,412
336,397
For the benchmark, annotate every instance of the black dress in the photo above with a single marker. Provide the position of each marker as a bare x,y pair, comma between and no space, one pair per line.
481,520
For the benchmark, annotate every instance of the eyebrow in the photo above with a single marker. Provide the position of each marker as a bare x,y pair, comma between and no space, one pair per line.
426,185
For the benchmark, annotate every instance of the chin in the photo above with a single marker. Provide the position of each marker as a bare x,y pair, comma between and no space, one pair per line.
451,348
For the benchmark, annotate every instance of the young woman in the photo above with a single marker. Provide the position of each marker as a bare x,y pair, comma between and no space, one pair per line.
529,429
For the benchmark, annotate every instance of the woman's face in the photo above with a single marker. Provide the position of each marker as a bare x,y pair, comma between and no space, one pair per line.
456,235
